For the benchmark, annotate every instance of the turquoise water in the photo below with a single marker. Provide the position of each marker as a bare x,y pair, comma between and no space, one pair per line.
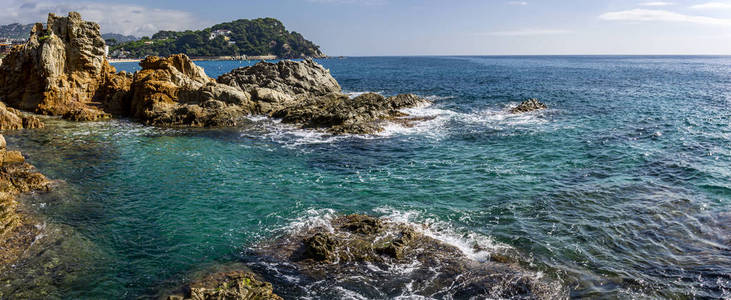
621,189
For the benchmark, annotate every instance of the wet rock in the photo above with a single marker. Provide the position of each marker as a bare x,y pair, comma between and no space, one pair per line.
396,247
234,285
173,91
305,93
85,114
528,106
16,176
362,224
61,68
320,247
391,259
339,114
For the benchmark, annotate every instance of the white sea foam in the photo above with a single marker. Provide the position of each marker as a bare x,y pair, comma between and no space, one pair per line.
356,94
436,123
474,245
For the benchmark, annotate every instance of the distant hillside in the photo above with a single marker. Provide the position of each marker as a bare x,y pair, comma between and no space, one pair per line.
20,31
241,37
118,38
15,31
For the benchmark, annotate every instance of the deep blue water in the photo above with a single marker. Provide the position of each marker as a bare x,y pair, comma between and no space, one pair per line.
621,189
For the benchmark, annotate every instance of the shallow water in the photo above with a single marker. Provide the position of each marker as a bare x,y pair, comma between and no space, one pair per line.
621,189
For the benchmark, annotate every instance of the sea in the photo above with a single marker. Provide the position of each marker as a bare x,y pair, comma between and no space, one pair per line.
621,189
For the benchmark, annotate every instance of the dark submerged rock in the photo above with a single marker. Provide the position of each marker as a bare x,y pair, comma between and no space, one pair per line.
377,251
528,106
339,114
320,247
232,285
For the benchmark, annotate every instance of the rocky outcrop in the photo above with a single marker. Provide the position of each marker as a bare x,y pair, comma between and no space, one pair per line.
62,70
16,177
340,114
173,91
276,86
234,285
305,93
396,258
528,106
12,119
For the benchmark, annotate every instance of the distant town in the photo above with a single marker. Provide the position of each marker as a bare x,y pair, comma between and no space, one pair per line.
6,44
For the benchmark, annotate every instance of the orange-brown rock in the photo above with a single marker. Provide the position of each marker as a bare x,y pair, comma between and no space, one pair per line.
12,119
173,91
16,176
62,68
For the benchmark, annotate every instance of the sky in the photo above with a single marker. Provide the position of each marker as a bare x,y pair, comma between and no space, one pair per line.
430,27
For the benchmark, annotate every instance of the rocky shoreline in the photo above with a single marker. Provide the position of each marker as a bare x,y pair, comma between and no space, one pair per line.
62,71
17,228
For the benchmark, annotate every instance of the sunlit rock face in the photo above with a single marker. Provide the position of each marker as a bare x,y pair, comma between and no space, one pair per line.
62,70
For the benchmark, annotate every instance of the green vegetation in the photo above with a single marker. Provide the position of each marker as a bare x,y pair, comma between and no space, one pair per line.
241,37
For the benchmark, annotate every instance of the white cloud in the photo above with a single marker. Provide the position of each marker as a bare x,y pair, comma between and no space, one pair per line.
656,3
528,32
117,18
647,15
712,5
522,3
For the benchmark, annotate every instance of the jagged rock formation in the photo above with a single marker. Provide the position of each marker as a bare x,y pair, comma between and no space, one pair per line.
173,91
340,114
528,106
62,70
305,93
378,252
16,177
275,86
234,285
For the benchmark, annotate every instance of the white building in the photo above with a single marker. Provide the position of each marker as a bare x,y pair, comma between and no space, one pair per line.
220,32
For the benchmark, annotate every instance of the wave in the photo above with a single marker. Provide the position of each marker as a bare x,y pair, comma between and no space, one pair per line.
475,246
433,277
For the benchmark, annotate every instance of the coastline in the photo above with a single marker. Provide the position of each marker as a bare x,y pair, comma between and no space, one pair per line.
213,58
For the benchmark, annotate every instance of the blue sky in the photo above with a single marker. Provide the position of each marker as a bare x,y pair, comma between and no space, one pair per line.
430,27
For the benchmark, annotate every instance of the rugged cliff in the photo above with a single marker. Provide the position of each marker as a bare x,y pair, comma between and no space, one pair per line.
62,70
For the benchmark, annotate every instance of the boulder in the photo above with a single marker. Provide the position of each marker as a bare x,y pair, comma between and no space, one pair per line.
320,247
12,119
173,91
287,77
365,253
528,106
340,114
61,68
233,285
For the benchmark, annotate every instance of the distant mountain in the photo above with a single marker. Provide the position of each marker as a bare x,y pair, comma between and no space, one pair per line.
119,38
20,31
15,31
241,37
